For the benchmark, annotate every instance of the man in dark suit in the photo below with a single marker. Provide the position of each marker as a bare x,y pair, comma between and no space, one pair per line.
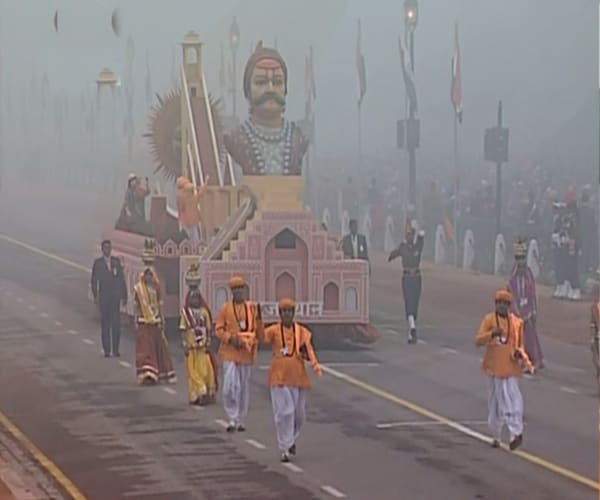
354,245
109,290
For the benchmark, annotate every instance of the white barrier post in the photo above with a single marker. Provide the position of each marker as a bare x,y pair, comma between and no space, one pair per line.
440,245
366,229
345,223
533,258
469,251
388,243
499,255
326,219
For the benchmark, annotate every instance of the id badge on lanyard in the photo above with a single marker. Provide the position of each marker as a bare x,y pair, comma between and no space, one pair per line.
242,324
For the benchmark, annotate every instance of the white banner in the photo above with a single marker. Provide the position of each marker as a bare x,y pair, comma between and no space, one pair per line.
303,309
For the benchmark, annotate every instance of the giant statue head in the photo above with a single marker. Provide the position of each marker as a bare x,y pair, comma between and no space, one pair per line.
265,83
265,143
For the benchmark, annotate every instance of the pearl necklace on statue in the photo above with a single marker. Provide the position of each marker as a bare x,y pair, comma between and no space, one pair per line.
271,149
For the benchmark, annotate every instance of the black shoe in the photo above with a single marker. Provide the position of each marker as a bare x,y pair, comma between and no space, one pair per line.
412,336
106,355
292,450
230,428
495,443
117,354
516,442
241,428
285,458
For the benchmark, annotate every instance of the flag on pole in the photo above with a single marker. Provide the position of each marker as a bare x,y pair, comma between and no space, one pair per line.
456,89
408,76
360,66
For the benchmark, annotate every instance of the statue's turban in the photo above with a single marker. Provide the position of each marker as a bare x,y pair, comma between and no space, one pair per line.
261,53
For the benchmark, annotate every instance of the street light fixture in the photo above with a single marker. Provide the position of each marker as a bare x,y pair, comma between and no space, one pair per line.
234,35
411,13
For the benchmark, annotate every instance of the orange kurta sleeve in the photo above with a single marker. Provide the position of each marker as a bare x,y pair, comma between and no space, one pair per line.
312,356
484,334
265,335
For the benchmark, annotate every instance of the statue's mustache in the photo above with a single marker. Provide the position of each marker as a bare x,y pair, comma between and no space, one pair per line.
268,96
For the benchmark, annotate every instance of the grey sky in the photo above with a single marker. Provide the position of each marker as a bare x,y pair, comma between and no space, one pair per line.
539,56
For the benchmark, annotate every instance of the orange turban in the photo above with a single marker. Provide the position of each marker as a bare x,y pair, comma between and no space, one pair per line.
287,303
237,282
503,295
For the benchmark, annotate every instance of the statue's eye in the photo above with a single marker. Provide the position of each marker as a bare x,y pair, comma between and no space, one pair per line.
260,81
278,81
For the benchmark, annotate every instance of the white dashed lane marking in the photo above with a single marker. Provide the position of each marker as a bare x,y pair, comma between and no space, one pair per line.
169,390
222,423
292,467
333,492
58,323
44,315
569,390
125,364
88,341
449,350
31,308
73,332
256,444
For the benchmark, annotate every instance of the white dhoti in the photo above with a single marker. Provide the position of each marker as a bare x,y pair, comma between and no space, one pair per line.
505,406
236,390
289,414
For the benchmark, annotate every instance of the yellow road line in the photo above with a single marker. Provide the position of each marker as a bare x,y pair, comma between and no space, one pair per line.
419,410
43,460
43,253
424,412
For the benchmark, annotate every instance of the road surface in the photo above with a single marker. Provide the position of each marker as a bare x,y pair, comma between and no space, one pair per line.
390,421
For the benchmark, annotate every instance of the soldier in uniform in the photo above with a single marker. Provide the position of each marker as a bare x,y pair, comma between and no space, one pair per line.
410,251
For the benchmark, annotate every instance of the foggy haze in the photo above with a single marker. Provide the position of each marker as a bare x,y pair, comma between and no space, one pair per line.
539,56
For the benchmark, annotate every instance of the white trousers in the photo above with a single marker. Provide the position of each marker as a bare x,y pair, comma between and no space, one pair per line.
289,413
505,406
236,390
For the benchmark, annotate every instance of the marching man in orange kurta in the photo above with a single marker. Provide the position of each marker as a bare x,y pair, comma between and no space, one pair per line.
287,377
501,332
237,327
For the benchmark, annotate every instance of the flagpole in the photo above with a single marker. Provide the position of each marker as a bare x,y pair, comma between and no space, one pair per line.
360,153
455,209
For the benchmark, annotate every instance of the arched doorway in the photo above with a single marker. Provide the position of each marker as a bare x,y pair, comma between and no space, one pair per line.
331,297
285,286
286,265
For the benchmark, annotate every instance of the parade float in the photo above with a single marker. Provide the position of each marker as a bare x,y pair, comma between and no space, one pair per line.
253,220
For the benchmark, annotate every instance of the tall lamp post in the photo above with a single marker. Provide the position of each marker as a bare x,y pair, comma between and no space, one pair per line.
411,17
234,43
